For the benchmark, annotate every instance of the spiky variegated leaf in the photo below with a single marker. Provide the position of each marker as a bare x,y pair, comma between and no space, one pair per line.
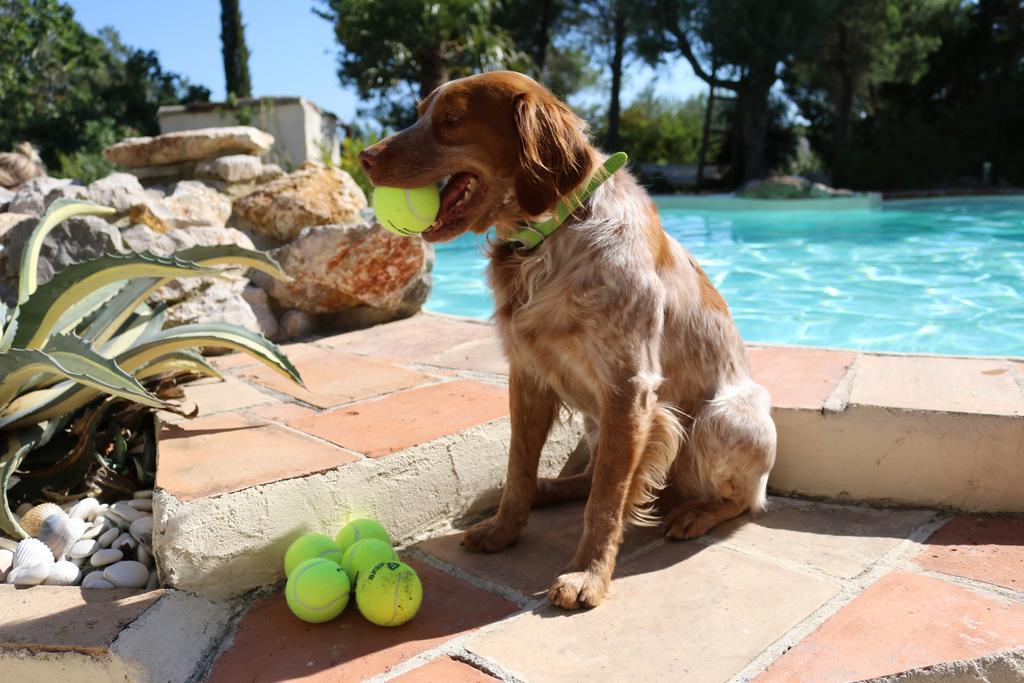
137,327
120,308
87,308
234,255
7,338
15,445
178,361
57,213
42,310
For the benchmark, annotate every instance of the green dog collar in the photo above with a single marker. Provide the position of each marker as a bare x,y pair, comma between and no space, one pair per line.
534,233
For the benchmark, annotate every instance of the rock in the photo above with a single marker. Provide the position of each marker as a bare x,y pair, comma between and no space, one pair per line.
101,558
32,197
85,548
125,511
127,574
236,168
92,531
144,557
154,580
776,187
296,324
9,220
352,274
75,240
259,302
126,543
159,175
86,509
313,195
144,504
6,560
107,538
271,172
217,302
119,191
96,580
190,204
142,530
145,493
7,195
63,573
820,191
188,145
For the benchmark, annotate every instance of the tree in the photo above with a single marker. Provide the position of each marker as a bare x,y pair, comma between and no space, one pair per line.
867,43
236,53
391,50
740,46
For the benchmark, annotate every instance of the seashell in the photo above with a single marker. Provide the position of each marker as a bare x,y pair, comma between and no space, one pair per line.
59,533
142,504
154,580
127,574
32,520
30,552
101,558
29,574
108,537
142,530
148,493
125,543
22,509
86,509
125,511
83,549
96,580
63,573
91,531
144,556
6,560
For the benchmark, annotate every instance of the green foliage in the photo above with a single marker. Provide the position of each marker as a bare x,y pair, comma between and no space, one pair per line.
87,163
55,78
351,147
234,49
88,333
660,130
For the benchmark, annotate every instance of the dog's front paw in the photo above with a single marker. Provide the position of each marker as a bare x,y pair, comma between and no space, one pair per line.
490,536
575,590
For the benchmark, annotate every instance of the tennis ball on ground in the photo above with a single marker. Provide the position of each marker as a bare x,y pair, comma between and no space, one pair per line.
406,212
317,591
357,530
390,594
363,555
309,546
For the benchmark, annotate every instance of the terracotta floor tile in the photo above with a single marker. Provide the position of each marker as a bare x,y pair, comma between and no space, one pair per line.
545,548
283,412
989,549
683,612
902,622
412,339
232,361
842,540
962,385
395,422
799,377
229,452
333,378
445,670
60,618
272,645
229,395
480,355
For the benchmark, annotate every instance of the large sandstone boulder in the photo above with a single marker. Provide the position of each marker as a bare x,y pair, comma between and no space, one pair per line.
191,203
313,195
776,187
188,145
236,168
352,275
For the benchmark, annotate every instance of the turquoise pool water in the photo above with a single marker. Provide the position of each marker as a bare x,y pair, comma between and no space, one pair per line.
923,276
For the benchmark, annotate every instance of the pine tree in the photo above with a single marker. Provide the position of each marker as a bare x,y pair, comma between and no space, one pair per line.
236,53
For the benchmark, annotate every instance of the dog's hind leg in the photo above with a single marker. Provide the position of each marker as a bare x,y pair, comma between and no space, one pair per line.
730,453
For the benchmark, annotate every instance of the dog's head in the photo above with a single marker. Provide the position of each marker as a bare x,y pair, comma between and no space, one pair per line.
504,146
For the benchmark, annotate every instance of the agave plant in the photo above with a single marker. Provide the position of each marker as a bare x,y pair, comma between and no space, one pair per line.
88,333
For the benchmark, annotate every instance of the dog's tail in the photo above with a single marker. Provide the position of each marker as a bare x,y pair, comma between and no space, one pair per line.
663,442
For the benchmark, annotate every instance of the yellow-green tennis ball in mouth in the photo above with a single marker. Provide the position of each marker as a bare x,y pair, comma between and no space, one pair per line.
364,555
357,530
317,591
390,594
308,546
406,212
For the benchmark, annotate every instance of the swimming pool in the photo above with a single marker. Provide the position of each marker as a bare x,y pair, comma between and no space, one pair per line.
921,276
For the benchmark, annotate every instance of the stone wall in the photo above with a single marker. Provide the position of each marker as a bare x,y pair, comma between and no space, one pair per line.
209,186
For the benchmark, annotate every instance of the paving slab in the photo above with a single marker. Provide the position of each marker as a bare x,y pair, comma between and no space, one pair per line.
222,453
681,612
799,378
901,622
542,553
988,549
446,670
68,619
227,395
408,418
841,540
424,335
273,645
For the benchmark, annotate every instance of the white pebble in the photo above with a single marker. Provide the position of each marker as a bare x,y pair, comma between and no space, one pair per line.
143,556
108,537
96,580
101,558
154,580
63,573
84,548
142,530
143,504
86,509
125,511
29,575
125,543
91,531
127,574
148,493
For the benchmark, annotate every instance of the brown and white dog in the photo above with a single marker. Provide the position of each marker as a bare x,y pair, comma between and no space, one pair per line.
608,316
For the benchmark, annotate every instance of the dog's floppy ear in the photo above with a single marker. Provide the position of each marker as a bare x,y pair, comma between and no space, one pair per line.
552,152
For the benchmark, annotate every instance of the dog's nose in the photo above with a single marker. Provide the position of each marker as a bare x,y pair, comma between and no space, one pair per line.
368,158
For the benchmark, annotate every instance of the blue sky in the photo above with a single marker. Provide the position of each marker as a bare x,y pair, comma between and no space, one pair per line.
292,51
